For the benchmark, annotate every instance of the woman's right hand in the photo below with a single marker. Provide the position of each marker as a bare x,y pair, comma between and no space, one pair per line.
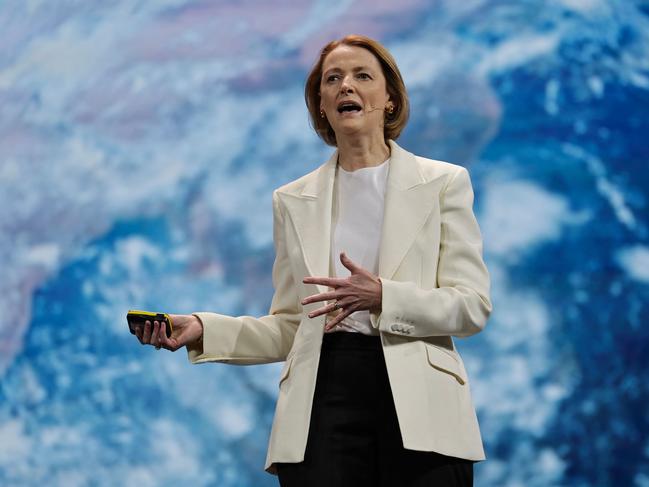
186,329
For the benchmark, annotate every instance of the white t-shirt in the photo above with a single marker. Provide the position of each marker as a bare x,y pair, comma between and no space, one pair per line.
359,198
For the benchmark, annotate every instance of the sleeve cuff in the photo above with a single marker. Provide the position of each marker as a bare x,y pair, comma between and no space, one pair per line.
195,349
375,319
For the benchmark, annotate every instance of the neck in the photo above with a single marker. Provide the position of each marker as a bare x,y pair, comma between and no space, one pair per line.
361,152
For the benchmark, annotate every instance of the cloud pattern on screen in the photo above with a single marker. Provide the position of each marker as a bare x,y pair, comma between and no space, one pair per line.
140,143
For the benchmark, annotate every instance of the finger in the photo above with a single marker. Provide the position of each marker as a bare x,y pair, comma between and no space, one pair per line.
341,316
324,281
146,336
324,310
163,328
138,333
163,341
339,304
347,302
316,298
154,333
348,263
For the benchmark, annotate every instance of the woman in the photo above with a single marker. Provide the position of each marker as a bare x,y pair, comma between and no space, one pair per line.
378,264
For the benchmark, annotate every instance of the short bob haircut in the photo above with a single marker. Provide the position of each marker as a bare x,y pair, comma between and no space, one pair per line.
394,122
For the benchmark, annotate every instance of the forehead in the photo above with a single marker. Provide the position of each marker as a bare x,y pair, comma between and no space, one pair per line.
349,57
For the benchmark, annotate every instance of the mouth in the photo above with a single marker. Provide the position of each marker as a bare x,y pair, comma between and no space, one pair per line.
349,107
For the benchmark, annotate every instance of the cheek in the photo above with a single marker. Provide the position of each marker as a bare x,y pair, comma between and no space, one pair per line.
327,101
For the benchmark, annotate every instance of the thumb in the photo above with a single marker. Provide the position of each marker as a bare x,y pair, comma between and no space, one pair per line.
347,262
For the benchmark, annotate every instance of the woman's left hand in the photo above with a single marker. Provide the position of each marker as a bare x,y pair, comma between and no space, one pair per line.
360,291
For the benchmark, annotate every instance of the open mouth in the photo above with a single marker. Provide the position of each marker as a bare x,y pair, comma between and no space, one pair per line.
349,106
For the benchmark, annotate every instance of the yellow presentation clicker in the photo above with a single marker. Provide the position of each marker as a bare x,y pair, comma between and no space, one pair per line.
137,318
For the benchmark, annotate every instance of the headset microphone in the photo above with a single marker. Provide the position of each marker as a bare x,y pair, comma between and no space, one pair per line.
372,109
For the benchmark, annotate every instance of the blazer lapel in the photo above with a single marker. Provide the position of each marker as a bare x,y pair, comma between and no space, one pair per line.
310,212
408,202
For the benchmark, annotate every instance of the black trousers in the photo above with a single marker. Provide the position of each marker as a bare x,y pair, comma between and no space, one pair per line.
354,438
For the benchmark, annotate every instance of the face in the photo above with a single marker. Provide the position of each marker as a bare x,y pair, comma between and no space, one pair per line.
353,91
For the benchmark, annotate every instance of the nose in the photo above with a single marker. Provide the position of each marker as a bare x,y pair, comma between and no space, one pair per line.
346,86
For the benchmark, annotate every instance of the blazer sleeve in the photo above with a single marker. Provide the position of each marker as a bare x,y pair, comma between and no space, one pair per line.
246,340
460,305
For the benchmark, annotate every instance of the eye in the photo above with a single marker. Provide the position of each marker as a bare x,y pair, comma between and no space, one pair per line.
332,77
364,76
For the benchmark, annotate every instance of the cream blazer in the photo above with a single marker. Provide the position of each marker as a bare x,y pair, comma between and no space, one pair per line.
435,286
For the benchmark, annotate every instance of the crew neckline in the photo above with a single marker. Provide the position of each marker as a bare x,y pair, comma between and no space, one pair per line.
378,166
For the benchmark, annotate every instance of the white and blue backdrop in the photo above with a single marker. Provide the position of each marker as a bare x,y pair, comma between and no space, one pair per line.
139,146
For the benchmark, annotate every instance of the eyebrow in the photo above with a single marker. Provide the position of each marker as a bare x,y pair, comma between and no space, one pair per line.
355,70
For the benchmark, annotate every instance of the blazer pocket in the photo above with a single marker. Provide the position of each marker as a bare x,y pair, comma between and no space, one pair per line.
286,370
442,361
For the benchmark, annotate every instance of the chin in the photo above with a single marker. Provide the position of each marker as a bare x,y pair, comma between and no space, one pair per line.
353,124
348,130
